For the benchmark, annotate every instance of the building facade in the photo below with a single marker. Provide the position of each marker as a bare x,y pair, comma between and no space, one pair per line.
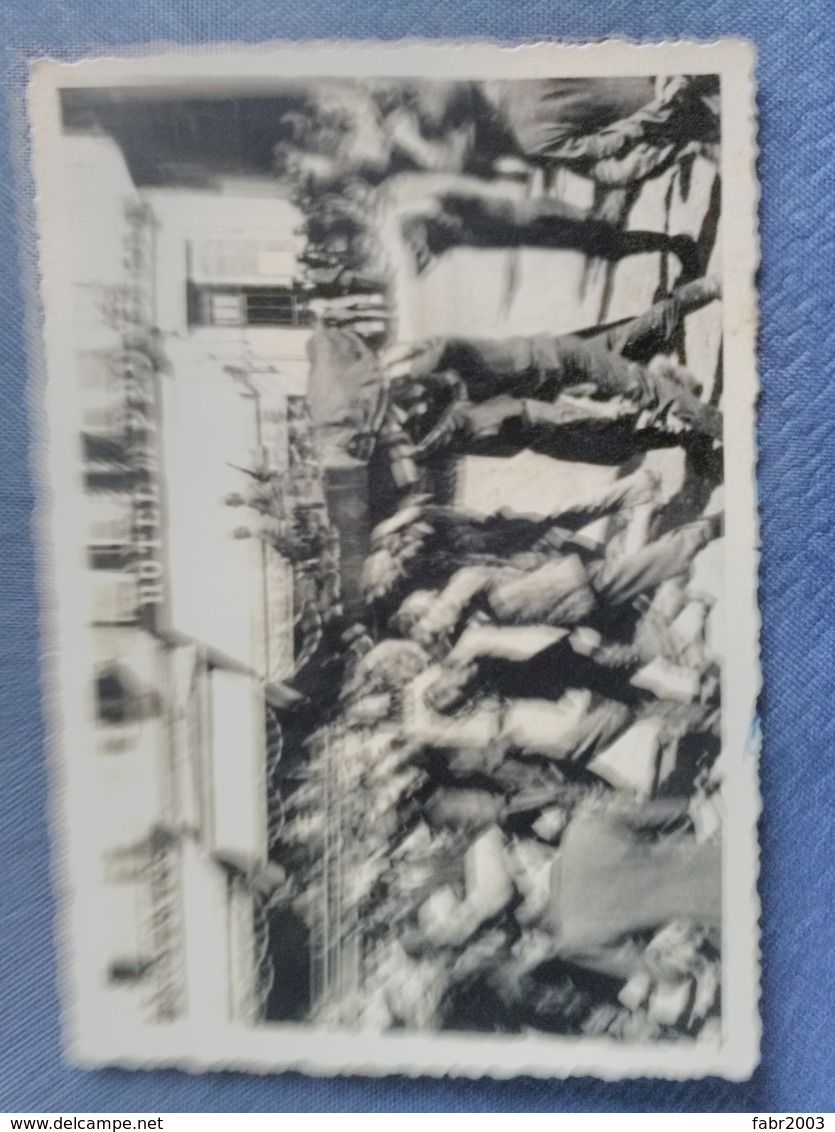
190,361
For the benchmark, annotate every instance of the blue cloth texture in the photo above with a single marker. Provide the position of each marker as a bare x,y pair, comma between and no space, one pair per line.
796,75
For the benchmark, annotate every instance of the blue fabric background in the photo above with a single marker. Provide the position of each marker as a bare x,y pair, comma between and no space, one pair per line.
797,448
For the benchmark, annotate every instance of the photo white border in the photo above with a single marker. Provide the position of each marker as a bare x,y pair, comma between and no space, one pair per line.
64,582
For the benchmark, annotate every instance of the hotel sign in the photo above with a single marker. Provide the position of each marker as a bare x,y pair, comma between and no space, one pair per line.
137,373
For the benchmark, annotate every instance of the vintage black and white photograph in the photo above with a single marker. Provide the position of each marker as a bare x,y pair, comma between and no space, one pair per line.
403,534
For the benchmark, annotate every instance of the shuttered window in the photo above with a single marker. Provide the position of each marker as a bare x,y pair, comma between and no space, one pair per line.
247,306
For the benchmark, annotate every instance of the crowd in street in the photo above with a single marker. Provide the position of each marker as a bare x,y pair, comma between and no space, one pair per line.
505,865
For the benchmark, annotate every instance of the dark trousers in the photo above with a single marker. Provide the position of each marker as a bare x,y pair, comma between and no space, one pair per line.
542,367
493,222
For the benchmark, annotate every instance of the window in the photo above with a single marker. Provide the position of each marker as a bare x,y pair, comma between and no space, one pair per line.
113,702
109,532
121,698
247,306
225,310
113,529
273,307
115,600
107,557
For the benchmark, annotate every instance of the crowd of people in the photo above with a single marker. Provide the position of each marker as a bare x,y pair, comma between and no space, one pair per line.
502,863
439,161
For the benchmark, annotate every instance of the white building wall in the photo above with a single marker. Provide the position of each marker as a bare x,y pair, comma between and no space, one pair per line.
207,949
209,791
208,434
126,775
98,188
223,390
240,813
211,410
189,221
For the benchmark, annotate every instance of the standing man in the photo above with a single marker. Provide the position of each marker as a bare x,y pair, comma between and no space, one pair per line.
582,381
434,212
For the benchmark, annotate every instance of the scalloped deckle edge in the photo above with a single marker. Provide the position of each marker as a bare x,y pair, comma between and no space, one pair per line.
94,1035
